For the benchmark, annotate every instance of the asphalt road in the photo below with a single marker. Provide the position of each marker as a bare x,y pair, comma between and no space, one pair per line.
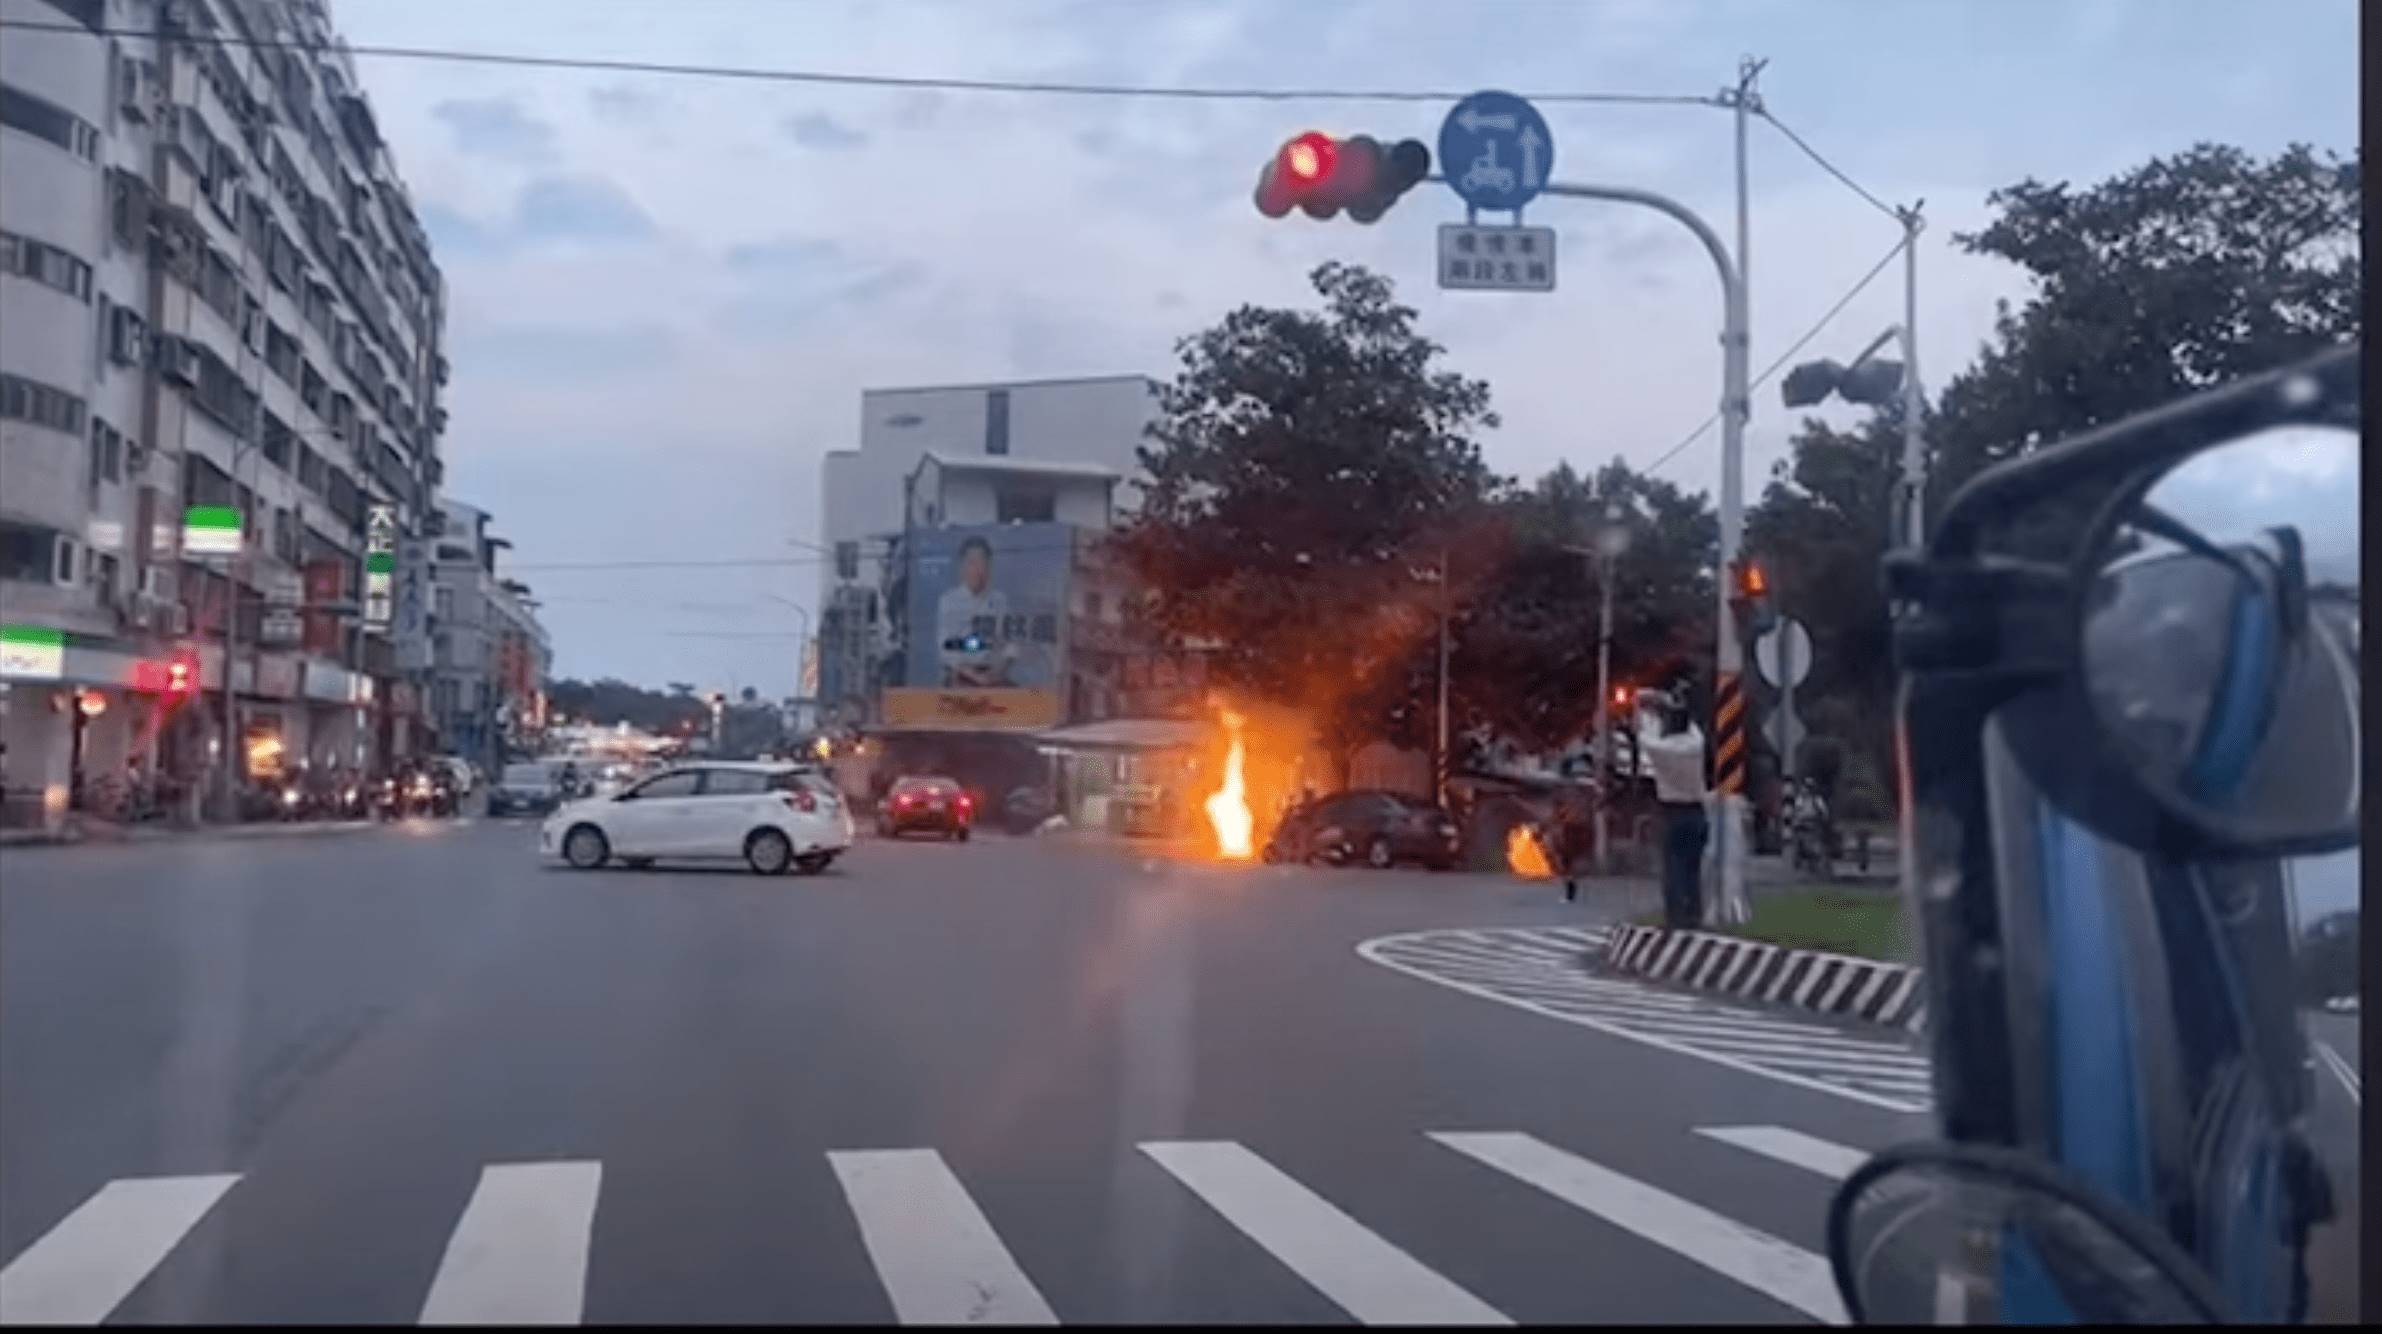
411,1074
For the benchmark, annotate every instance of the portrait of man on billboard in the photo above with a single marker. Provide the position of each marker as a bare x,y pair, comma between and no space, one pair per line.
970,622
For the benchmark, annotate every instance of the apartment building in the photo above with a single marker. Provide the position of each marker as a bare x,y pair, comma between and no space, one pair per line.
490,656
214,291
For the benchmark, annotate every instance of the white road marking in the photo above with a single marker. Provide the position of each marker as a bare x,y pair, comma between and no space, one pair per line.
1368,1277
518,1256
1793,1147
78,1271
1721,1244
935,1253
2342,1071
1610,1016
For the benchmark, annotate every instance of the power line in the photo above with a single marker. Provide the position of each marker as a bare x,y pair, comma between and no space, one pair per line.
1788,355
1827,166
938,83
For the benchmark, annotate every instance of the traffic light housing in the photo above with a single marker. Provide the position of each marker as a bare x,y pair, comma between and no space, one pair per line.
1749,595
1810,384
1322,175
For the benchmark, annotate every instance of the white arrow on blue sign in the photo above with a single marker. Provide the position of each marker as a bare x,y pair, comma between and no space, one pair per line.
1496,151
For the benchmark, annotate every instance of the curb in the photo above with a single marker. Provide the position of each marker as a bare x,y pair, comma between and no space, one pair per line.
1816,980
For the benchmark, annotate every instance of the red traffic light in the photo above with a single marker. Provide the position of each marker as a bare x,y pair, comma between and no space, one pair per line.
1308,159
1323,175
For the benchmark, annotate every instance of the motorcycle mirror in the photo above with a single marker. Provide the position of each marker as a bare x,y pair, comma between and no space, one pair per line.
2217,637
2180,591
1950,1233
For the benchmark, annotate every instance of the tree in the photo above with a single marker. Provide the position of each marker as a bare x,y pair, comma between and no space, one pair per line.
2184,273
2180,274
1525,652
1299,467
610,700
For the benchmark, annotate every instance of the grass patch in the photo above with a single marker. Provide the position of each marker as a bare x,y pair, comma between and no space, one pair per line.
1865,923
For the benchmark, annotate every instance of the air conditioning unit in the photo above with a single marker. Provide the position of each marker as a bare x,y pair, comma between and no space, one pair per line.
170,618
132,92
177,360
157,583
134,609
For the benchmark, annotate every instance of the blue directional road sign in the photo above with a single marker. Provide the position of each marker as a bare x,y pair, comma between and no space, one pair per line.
1495,150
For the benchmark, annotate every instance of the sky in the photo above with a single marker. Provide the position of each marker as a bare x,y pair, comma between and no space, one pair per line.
666,294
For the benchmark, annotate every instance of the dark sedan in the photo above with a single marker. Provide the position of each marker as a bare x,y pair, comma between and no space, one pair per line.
934,805
1378,829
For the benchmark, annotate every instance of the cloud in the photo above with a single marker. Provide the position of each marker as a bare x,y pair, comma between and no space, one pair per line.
548,209
817,129
917,109
689,268
623,103
571,353
792,282
496,127
582,208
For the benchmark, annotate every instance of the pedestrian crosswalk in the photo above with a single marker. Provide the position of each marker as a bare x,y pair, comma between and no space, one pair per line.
1543,970
519,1248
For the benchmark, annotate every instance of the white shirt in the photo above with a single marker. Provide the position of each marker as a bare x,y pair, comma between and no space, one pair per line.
1677,761
960,612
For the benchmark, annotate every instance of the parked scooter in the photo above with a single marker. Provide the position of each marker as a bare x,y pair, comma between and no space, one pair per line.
1810,830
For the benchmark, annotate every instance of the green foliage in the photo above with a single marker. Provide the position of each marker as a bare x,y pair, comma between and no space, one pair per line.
609,700
2180,274
1299,466
2183,273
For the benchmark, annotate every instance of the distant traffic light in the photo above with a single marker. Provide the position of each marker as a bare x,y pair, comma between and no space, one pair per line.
1749,594
1322,175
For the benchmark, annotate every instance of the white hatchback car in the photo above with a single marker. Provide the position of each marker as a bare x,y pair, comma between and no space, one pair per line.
773,816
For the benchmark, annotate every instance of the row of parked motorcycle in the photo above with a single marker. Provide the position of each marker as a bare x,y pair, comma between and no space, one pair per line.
411,791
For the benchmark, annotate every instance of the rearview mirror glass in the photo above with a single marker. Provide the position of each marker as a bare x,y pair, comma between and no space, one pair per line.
2220,632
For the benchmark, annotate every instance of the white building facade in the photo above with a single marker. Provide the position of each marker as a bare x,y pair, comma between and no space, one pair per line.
213,291
1097,421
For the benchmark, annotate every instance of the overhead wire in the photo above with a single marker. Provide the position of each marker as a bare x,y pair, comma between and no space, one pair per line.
938,83
1788,355
1827,166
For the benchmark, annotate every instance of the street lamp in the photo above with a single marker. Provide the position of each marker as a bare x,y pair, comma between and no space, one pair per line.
1877,383
1612,539
802,645
1439,767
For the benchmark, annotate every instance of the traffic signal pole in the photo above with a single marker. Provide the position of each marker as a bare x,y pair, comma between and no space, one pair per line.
1728,713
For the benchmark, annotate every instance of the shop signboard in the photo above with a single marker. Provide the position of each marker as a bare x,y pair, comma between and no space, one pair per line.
32,653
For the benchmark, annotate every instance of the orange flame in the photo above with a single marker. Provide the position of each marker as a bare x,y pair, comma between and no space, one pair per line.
1524,857
1228,806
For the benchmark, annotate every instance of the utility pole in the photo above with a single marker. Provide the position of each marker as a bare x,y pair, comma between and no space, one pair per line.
1914,458
1610,552
1611,539
1728,711
1440,770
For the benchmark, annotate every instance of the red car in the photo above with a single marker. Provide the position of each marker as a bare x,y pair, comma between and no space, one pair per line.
938,805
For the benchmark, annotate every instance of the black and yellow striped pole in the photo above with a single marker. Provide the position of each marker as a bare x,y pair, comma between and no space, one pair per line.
1728,735
1748,615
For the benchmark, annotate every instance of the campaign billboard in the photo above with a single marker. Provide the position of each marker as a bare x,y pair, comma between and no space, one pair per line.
987,616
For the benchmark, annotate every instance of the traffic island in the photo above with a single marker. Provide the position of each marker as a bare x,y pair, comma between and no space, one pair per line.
1828,951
